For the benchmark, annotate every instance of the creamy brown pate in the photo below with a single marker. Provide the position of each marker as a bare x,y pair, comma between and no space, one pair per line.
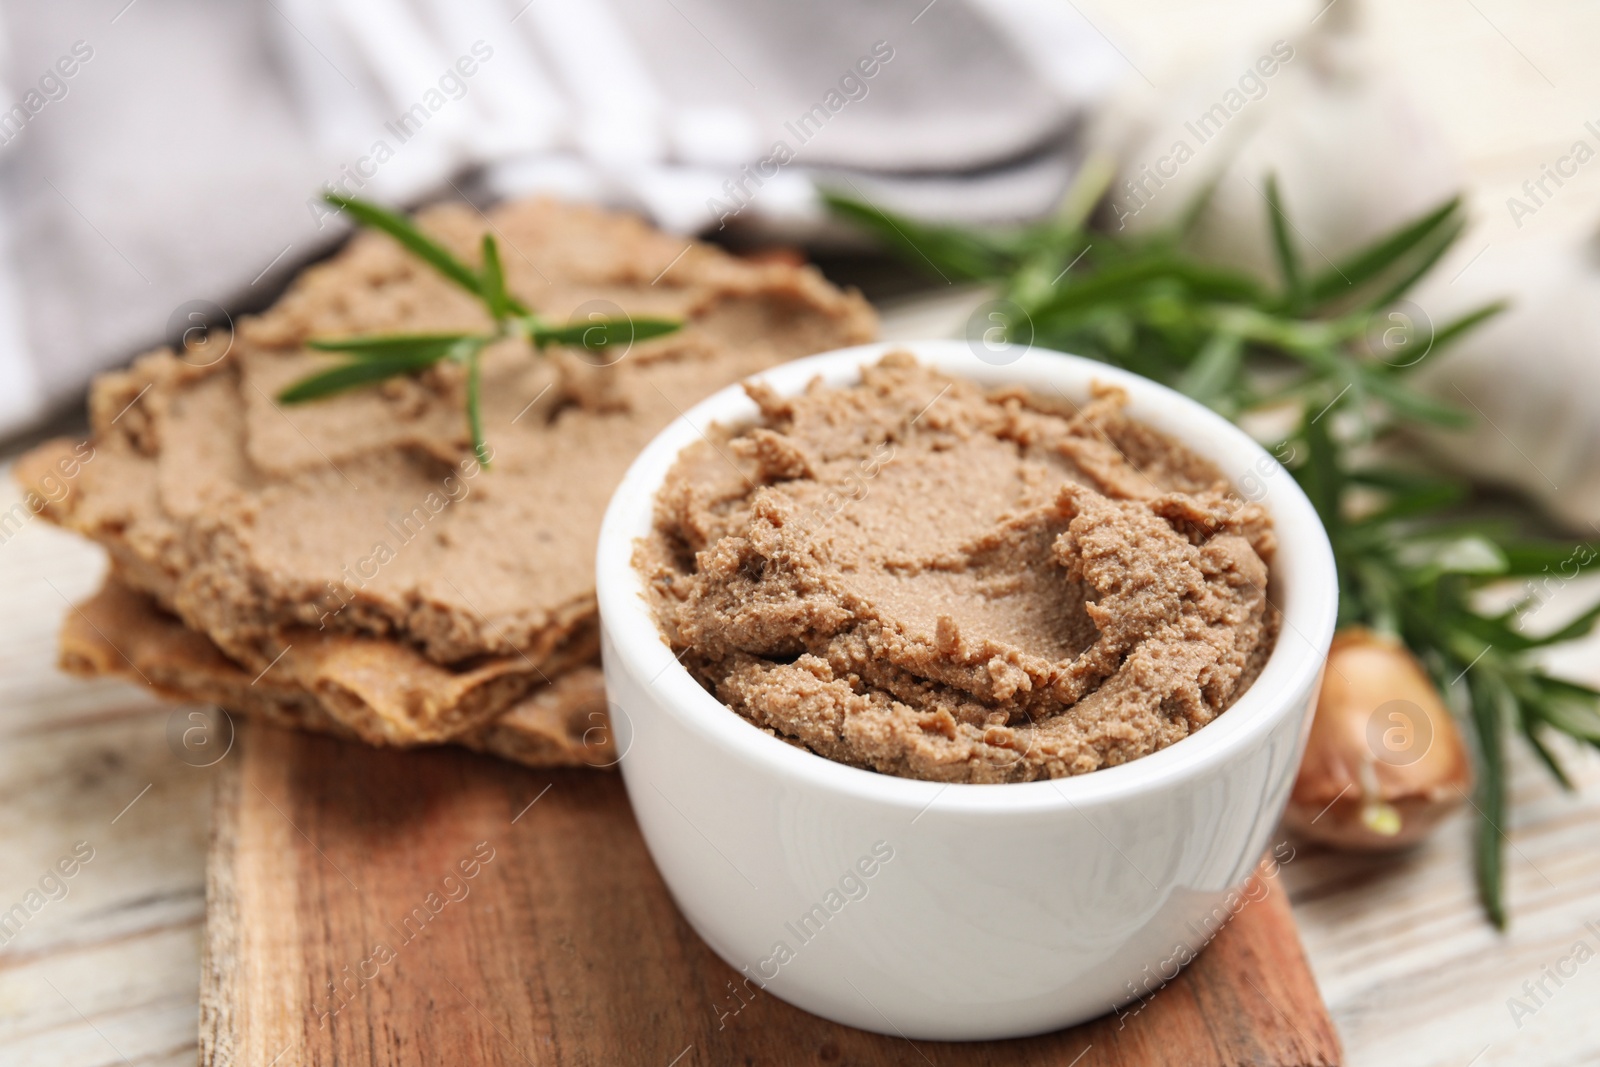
928,579
349,551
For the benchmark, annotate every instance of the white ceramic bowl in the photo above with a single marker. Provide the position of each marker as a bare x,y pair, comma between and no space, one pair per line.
956,911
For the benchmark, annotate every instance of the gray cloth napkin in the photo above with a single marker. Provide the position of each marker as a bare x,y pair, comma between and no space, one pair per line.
160,159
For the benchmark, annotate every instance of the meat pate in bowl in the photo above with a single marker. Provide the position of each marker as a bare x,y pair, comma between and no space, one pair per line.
956,693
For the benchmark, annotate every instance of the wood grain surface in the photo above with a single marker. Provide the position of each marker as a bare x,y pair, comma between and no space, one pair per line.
368,907
110,975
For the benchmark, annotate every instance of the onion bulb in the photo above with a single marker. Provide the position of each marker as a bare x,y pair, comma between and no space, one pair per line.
1385,762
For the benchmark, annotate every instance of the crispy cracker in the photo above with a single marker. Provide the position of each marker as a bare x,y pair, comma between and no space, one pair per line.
258,525
122,633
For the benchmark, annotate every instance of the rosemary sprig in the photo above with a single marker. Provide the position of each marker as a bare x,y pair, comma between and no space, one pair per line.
1410,562
377,358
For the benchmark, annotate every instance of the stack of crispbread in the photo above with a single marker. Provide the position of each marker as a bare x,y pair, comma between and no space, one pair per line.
344,566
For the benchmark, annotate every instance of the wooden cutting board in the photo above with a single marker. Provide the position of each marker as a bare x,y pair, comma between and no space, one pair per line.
371,907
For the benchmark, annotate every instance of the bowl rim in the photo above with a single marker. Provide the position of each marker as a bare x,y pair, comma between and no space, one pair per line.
1304,584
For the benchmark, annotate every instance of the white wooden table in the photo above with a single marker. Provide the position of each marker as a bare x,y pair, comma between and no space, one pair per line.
109,973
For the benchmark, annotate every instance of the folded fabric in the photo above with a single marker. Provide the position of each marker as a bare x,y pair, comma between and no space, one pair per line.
163,160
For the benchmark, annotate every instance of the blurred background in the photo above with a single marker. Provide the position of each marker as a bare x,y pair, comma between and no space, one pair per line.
160,160
161,165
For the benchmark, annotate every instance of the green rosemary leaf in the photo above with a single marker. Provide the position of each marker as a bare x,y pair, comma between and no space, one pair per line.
1407,402
1489,708
600,334
1219,283
1083,195
1288,258
1133,279
1195,209
494,281
952,252
1573,714
1420,501
1378,257
1578,627
1320,476
414,240
1447,334
1525,558
1374,601
351,375
646,328
401,345
1575,690
480,446
1399,480
1212,377
1530,733
1433,249
1496,631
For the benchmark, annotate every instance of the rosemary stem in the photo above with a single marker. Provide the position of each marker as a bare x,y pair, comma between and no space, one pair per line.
480,446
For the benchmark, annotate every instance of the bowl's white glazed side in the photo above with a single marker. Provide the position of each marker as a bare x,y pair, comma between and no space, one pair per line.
982,924
1004,909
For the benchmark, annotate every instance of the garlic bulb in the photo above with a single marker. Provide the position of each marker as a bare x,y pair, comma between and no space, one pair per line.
1385,761
1353,157
1529,376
